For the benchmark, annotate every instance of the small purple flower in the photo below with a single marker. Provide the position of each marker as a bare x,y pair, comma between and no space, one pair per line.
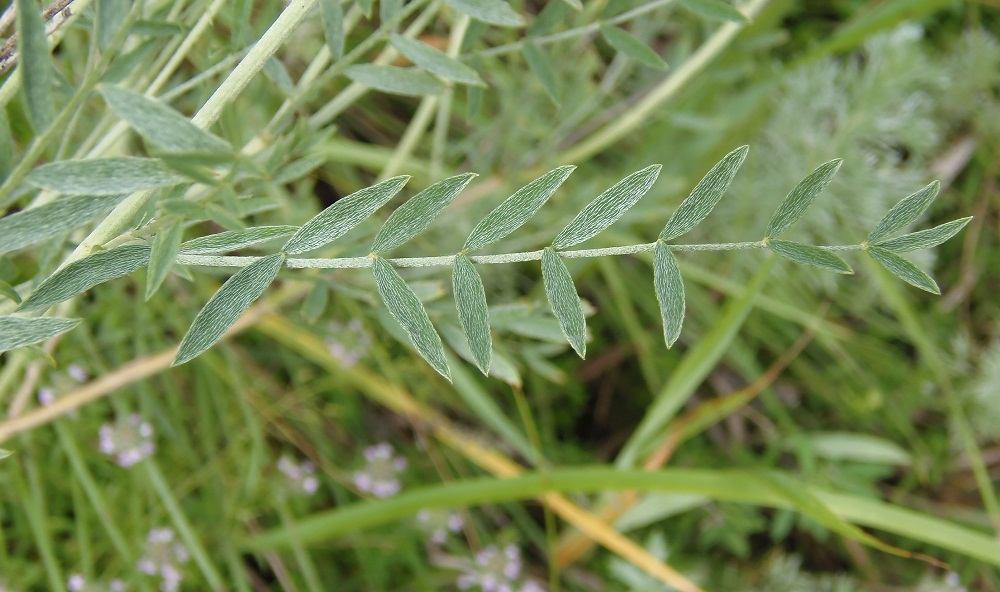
162,558
77,583
300,476
77,373
46,396
439,523
379,475
496,570
348,343
129,440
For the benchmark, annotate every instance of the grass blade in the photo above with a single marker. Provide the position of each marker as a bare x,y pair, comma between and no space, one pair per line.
801,197
161,259
160,124
36,68
705,195
607,208
473,312
332,15
904,270
516,209
408,311
810,255
104,176
494,12
232,240
904,213
84,274
21,331
924,239
28,227
564,300
395,80
435,61
541,66
345,214
669,292
222,310
411,218
625,43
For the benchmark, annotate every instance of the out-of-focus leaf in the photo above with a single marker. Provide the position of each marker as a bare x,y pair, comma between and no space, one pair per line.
435,61
904,270
607,208
37,74
395,80
904,213
564,300
705,195
315,303
845,446
28,227
411,218
333,27
542,69
801,197
924,239
387,9
104,176
473,312
84,274
810,255
111,16
494,12
18,332
232,240
627,44
160,124
8,291
715,9
669,292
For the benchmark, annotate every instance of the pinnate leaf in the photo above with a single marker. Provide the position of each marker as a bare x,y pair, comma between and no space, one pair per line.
705,195
564,300
810,255
343,215
411,218
473,312
21,331
408,311
84,274
801,197
607,208
435,61
36,68
104,176
232,240
904,213
516,209
226,306
494,12
715,9
161,258
395,80
332,15
924,239
627,44
542,68
669,292
904,270
28,227
160,124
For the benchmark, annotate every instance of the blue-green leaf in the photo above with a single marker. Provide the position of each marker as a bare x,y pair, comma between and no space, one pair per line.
104,176
541,67
494,12
84,274
28,227
435,61
343,215
111,15
516,209
564,300
904,213
607,208
166,244
627,44
411,218
810,255
226,306
36,64
18,332
315,303
232,240
715,9
705,195
669,292
924,239
395,80
801,197
410,314
332,15
904,270
160,124
473,312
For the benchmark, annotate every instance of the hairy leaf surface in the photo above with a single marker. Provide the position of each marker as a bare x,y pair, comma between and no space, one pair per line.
565,302
37,73
395,80
28,227
21,331
607,208
166,244
413,217
669,292
810,255
232,240
904,213
924,239
904,270
435,61
801,197
104,176
84,274
160,124
705,195
473,312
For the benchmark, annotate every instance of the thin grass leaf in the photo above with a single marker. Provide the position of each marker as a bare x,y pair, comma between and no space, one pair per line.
625,43
904,270
801,197
332,14
904,213
406,308
924,239
411,218
104,176
607,208
669,292
473,312
84,274
435,61
345,214
705,195
810,255
516,209
232,240
715,9
165,247
226,306
494,12
160,124
542,68
28,227
18,332
37,73
564,300
395,80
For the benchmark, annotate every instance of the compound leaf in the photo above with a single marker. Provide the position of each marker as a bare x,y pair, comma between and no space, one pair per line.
494,12
607,208
56,217
904,270
343,215
904,213
801,197
627,44
21,331
232,240
924,239
411,218
435,61
473,312
160,124
810,255
226,306
705,195
669,292
104,176
84,274
564,300
408,311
